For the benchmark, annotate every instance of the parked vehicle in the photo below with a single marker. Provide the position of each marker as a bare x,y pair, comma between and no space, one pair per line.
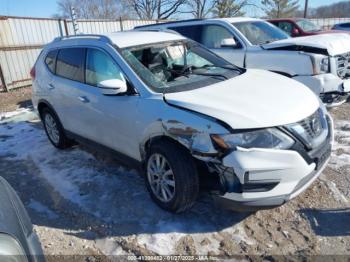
296,27
320,62
171,106
18,242
342,26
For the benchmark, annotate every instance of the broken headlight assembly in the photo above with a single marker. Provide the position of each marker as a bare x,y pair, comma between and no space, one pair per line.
260,138
320,64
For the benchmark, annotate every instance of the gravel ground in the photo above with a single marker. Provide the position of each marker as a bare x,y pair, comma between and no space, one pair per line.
85,204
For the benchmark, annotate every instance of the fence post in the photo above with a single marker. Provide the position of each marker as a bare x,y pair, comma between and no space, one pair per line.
65,26
2,79
60,26
121,23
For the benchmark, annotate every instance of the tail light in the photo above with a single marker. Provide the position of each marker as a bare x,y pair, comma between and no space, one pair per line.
32,72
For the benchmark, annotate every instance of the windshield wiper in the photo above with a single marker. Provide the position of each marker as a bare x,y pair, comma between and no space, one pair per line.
228,67
207,74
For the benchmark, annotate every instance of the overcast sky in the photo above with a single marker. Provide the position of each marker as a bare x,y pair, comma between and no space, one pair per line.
46,8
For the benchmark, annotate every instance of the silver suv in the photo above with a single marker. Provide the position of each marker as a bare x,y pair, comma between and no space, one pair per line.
184,115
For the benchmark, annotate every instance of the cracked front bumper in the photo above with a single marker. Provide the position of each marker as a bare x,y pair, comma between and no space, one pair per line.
287,171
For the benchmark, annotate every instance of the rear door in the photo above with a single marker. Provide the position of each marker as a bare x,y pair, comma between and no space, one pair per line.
65,87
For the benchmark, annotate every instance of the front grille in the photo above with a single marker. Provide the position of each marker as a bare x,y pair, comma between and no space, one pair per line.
311,131
343,65
312,125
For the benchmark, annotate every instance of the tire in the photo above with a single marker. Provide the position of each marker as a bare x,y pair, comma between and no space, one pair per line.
58,139
184,175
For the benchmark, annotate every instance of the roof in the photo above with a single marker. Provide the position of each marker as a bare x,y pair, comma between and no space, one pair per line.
229,20
285,19
237,19
134,38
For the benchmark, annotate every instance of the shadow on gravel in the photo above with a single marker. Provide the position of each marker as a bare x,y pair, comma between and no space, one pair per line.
89,195
25,104
329,222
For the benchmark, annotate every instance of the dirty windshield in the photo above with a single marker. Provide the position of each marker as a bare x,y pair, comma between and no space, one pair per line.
178,66
259,32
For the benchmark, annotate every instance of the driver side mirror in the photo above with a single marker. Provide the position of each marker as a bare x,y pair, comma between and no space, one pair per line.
295,32
228,42
113,87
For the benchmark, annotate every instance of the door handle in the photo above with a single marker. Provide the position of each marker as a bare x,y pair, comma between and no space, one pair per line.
83,99
51,86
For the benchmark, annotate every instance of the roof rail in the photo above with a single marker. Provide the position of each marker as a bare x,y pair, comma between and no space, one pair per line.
165,30
99,37
170,22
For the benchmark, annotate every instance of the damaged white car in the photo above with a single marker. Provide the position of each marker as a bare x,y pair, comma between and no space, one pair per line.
321,62
185,116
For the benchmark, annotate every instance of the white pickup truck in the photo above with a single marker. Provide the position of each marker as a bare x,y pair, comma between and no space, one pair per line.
321,62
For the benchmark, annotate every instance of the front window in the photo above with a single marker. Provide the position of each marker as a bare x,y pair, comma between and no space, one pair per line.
259,32
178,66
100,67
308,26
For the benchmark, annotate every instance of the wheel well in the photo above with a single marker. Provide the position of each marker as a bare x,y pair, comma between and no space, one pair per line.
41,107
159,139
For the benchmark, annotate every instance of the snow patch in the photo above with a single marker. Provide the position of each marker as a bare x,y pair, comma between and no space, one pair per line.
40,208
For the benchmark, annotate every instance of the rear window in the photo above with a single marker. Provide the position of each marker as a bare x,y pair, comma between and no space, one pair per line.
70,63
50,60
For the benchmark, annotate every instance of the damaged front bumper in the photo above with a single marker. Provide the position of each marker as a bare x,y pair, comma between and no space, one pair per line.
332,90
271,177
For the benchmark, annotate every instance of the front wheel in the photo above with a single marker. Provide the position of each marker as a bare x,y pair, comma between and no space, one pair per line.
171,176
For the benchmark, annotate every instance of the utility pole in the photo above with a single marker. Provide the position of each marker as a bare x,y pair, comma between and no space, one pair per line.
305,9
74,20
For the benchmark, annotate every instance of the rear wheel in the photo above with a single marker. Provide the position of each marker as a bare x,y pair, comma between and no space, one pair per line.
171,176
54,129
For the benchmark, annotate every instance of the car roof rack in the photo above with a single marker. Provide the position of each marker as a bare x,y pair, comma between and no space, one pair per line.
103,38
170,22
165,30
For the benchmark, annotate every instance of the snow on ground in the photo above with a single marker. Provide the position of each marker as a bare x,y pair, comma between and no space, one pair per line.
117,196
110,192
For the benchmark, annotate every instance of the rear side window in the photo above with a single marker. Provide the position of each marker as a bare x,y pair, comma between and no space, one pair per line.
50,60
70,63
193,32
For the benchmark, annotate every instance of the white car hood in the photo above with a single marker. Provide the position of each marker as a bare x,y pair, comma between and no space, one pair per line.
254,99
335,44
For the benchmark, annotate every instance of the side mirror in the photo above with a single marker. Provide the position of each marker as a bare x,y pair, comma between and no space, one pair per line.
295,32
112,87
228,42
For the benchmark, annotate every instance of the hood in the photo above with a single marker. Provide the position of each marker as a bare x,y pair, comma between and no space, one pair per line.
255,99
334,44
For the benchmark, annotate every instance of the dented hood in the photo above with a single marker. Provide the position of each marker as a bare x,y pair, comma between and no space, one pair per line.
254,99
334,44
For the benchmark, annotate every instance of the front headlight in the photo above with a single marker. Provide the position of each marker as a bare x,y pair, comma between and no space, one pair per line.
262,138
320,64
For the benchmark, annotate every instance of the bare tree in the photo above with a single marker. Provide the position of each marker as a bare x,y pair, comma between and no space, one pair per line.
341,9
280,8
229,8
89,9
154,9
200,8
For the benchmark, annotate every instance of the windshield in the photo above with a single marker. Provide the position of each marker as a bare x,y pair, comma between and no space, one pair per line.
260,32
178,66
307,26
